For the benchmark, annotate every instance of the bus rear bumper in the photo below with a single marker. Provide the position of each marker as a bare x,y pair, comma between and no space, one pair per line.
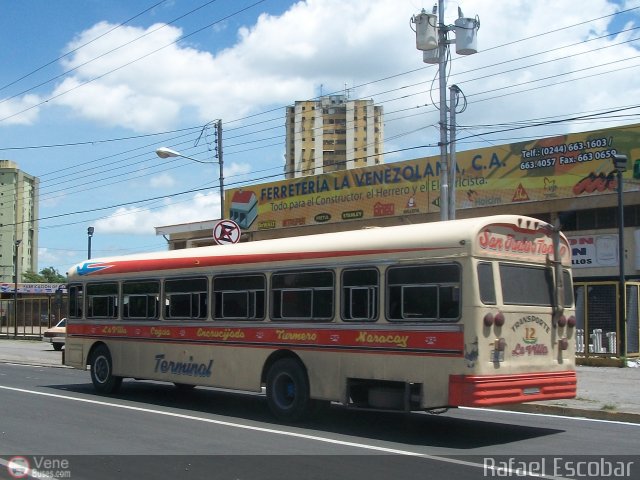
491,390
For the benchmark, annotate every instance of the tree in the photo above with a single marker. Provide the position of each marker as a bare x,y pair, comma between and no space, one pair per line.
46,275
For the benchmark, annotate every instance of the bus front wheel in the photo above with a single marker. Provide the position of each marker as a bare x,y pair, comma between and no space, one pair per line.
288,390
102,371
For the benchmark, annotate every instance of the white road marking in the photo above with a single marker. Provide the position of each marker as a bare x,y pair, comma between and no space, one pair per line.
565,417
263,430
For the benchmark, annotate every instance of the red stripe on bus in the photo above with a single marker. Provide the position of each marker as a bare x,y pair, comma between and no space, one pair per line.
392,339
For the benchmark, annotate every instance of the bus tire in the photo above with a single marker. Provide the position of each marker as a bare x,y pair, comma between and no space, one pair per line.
102,371
288,390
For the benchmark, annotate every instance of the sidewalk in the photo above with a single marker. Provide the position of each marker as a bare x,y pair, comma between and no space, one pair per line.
605,393
29,352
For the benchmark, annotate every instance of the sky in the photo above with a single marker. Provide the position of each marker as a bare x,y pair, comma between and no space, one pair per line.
89,89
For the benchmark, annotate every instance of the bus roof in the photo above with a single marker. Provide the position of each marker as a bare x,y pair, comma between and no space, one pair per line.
518,237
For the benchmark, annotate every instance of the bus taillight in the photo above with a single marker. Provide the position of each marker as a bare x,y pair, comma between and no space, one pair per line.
491,319
571,321
562,321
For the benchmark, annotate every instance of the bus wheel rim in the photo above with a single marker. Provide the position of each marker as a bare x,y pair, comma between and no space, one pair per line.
284,391
102,370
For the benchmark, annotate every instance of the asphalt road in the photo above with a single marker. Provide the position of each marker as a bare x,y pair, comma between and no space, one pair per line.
152,430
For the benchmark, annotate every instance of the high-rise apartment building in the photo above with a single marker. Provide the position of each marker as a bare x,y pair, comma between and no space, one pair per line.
332,133
18,222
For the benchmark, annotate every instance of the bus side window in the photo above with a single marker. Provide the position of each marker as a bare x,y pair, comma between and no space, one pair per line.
568,289
141,299
486,283
302,295
186,298
424,292
360,294
102,299
76,301
239,297
449,302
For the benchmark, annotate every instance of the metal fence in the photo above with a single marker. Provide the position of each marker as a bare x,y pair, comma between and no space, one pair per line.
598,319
34,315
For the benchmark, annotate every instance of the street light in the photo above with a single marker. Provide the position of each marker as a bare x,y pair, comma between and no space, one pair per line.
15,290
90,231
165,152
620,164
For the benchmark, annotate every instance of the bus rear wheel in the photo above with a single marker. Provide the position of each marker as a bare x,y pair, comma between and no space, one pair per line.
102,371
288,390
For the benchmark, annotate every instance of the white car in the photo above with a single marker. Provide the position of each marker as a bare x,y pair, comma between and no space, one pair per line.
57,334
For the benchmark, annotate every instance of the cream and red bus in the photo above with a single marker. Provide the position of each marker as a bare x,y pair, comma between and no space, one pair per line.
474,312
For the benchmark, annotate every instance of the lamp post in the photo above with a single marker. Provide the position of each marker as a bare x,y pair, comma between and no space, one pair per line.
90,231
164,152
620,164
15,290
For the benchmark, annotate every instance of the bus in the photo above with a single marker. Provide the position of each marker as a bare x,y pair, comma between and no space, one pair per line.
474,312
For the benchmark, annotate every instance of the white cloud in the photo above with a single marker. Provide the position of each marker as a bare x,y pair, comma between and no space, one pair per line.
163,180
285,58
48,257
276,61
233,171
142,221
20,110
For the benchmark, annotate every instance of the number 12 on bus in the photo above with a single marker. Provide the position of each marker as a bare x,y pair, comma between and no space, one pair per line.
474,312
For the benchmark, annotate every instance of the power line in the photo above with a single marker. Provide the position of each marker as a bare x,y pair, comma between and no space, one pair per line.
87,82
267,177
74,50
110,166
63,74
93,142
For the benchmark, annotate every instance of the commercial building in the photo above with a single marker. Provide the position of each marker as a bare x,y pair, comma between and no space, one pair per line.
332,133
18,222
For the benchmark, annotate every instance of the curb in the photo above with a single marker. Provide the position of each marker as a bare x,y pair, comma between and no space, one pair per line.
32,364
610,416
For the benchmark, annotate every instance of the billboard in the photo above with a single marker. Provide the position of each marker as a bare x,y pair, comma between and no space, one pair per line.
569,166
33,288
588,251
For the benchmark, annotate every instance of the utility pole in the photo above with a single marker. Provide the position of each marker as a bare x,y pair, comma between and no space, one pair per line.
453,100
15,287
620,164
432,39
220,162
442,77
165,152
